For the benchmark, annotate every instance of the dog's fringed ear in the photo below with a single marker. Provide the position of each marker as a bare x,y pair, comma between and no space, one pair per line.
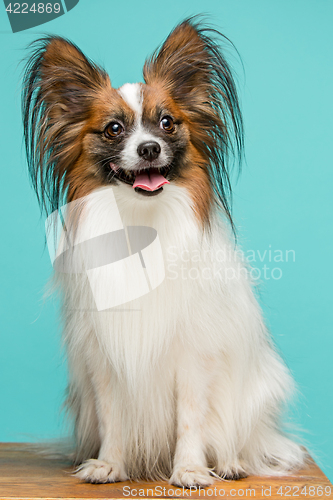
192,67
58,89
180,64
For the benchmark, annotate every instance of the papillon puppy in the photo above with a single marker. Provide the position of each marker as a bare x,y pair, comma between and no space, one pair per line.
180,379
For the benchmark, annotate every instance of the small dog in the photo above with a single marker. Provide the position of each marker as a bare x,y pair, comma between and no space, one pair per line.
180,381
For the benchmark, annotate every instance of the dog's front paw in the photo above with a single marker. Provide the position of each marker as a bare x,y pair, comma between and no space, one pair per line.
191,476
98,471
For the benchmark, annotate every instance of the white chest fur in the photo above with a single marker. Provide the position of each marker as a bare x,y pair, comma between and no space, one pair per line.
188,362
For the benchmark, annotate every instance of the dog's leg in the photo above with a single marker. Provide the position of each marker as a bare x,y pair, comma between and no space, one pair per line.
193,380
109,467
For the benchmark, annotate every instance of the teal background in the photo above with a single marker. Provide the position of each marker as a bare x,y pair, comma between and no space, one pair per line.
282,199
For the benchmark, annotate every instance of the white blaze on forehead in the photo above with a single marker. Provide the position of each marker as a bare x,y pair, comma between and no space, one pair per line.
132,95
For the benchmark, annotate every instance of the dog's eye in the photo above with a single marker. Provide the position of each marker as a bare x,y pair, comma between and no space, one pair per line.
113,130
167,124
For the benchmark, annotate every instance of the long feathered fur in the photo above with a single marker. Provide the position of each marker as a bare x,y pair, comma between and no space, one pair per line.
59,88
141,355
59,92
183,378
191,65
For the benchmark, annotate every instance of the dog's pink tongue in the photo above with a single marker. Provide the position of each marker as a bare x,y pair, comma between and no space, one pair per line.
150,180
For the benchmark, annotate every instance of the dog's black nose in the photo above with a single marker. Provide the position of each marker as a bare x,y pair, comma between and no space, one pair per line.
149,150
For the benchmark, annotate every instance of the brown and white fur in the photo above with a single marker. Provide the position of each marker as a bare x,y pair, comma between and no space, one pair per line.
183,382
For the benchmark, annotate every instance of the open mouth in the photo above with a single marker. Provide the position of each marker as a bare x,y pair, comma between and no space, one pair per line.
148,181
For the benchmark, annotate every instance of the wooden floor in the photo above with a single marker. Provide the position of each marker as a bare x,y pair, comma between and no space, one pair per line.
26,475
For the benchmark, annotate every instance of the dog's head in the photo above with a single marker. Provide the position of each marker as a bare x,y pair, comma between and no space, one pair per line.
177,127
